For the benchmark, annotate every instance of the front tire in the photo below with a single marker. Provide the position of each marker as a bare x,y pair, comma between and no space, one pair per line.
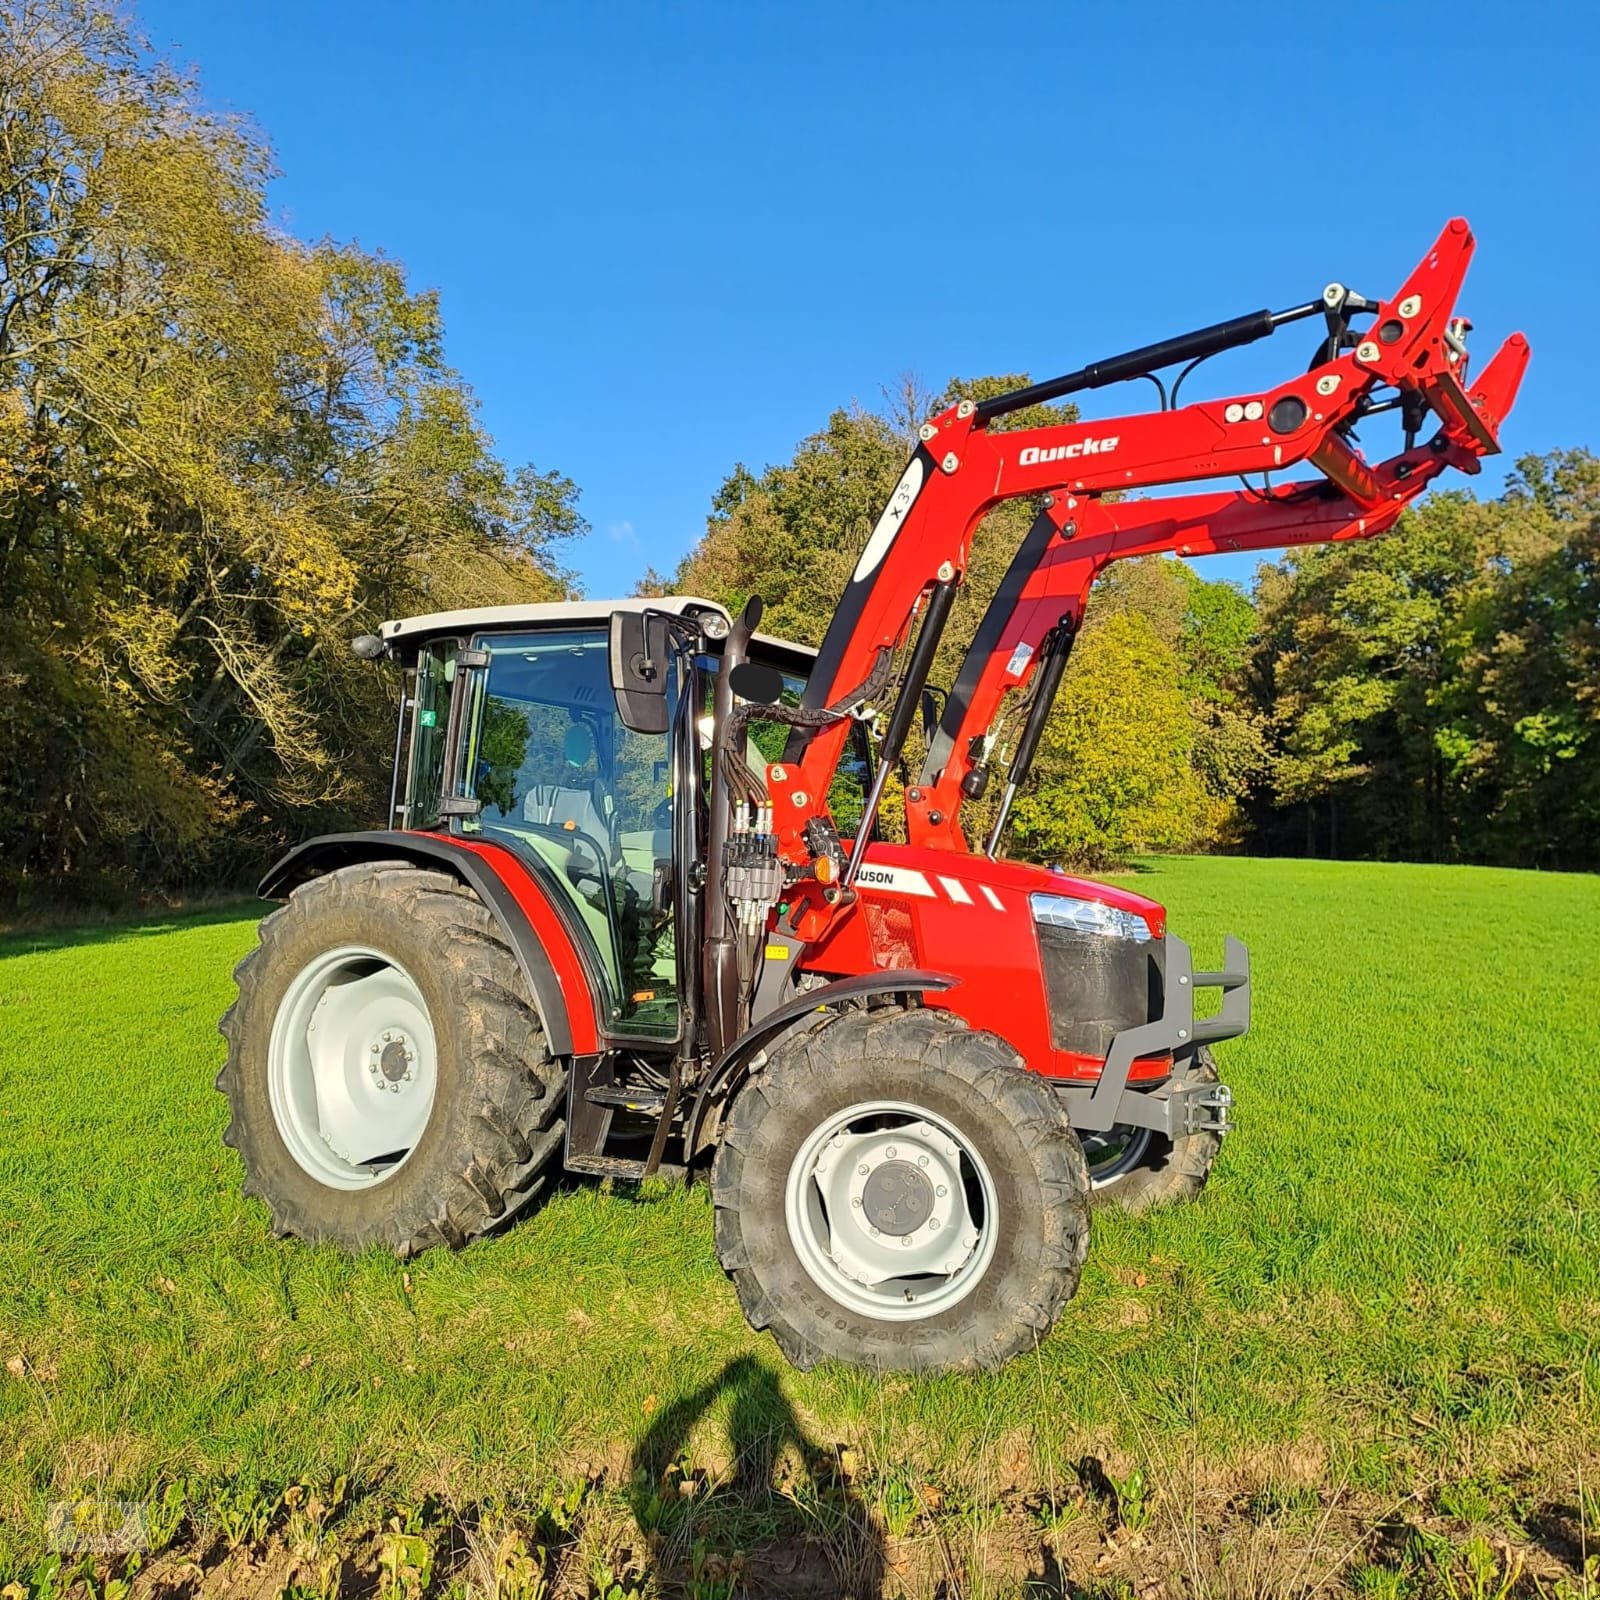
427,1109
896,1191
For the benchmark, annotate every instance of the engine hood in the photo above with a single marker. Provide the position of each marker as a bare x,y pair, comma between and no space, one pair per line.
916,872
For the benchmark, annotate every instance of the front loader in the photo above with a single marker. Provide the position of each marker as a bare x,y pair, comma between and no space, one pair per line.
633,914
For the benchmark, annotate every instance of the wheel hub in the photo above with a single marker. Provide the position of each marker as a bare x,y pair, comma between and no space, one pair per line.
352,1067
896,1198
395,1058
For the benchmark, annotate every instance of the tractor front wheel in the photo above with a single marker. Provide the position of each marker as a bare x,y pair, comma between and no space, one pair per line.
387,1073
896,1191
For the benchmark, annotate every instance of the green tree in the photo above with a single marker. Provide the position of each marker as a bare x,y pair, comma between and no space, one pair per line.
1431,695
222,453
1116,774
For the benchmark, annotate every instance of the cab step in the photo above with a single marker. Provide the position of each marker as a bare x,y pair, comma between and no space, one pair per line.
621,1167
619,1096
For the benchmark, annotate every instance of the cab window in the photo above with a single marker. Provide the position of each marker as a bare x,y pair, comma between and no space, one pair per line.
558,775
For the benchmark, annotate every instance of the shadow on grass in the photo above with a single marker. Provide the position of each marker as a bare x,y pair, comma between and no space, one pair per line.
782,1520
23,941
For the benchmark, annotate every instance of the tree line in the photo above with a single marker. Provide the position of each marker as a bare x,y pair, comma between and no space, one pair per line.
224,452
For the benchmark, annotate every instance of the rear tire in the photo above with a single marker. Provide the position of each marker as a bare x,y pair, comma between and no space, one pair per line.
900,1093
1166,1171
490,1129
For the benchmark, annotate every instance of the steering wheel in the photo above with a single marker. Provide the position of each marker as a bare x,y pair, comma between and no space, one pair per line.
575,836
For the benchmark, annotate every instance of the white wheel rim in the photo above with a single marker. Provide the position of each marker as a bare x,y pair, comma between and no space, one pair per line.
1114,1153
352,1067
891,1211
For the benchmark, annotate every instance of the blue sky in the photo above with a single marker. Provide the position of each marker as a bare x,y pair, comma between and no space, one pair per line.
670,238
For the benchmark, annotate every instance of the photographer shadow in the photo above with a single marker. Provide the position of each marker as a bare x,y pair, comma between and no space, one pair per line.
782,1523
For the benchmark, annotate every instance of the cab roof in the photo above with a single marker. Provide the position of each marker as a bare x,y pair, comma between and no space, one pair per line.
573,613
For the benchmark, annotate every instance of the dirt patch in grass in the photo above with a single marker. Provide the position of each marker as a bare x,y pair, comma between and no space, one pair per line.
1234,1535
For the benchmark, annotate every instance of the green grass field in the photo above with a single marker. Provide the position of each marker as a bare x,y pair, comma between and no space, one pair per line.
1366,1361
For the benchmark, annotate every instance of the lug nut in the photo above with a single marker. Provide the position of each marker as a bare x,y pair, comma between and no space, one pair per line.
941,1191
933,1222
890,1152
856,1202
922,1161
863,1169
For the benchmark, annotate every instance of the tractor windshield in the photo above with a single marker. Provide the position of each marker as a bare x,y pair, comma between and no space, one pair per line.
559,776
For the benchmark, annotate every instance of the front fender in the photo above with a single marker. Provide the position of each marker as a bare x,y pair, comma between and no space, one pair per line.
734,1063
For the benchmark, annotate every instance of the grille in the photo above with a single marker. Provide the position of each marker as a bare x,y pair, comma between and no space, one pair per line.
1096,986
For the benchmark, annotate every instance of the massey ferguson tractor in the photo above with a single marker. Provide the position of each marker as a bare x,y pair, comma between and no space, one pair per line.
633,912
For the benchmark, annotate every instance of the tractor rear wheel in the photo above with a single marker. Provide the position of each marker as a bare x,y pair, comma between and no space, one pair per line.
387,1074
899,1192
1138,1169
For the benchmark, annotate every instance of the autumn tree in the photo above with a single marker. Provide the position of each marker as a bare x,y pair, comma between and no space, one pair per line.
222,453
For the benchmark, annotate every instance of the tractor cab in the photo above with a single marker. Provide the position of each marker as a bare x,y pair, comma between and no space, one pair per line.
512,732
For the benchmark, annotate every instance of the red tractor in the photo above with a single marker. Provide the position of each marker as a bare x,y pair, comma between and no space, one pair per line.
632,911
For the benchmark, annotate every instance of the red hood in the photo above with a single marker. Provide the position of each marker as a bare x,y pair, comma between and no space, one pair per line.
1014,880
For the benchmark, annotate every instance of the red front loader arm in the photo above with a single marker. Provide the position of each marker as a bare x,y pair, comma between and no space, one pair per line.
1085,535
916,554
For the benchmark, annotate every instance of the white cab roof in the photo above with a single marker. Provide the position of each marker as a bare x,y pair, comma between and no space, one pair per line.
575,613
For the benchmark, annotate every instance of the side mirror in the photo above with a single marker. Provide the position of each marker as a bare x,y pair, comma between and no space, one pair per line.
640,660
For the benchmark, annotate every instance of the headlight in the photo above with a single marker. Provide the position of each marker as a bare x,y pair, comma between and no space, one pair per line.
1088,916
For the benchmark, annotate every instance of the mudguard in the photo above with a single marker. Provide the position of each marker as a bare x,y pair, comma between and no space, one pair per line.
734,1062
334,850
